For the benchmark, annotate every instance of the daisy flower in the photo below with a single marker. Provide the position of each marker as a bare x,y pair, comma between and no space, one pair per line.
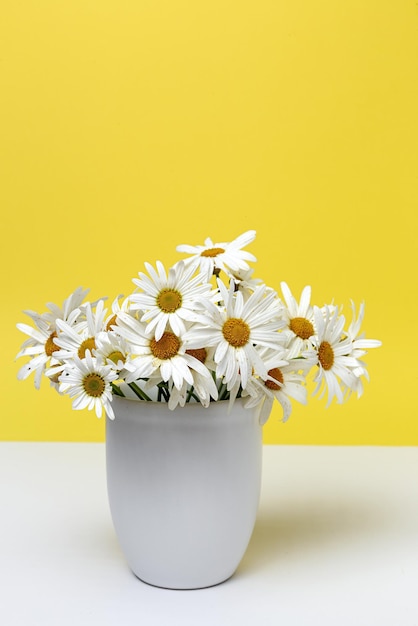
114,351
70,304
203,387
236,329
333,355
283,381
89,383
168,298
245,283
165,356
117,307
359,344
211,258
299,318
77,339
41,345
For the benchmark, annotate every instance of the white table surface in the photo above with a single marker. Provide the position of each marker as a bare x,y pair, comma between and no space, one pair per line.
336,542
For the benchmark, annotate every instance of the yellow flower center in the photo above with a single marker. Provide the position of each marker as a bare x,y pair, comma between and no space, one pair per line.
211,252
88,344
111,322
200,354
166,347
169,300
301,327
116,356
326,355
277,375
94,385
236,332
50,345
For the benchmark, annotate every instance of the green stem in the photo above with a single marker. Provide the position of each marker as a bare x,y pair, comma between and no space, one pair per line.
117,391
162,390
223,392
139,392
190,394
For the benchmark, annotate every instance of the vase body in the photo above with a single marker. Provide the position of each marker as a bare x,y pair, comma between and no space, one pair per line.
183,489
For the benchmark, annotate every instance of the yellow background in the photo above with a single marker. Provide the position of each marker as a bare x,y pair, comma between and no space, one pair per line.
129,127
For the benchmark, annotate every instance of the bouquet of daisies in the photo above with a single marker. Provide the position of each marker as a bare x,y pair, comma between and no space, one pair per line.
204,330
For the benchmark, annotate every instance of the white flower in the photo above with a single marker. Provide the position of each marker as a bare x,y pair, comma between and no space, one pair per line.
152,357
168,299
245,283
117,307
333,354
41,346
70,304
203,387
76,340
359,344
113,350
236,329
213,257
283,381
299,318
88,383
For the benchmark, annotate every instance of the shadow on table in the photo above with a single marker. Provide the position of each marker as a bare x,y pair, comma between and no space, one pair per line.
301,530
98,541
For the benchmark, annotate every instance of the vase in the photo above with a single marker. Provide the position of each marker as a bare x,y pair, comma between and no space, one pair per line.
183,488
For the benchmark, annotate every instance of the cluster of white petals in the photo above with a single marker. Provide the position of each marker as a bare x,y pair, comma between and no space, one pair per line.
203,330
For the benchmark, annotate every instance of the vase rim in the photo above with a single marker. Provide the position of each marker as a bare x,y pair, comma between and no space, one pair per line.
188,404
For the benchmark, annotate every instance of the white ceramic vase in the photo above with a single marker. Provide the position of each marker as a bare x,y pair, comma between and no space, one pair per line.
183,488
